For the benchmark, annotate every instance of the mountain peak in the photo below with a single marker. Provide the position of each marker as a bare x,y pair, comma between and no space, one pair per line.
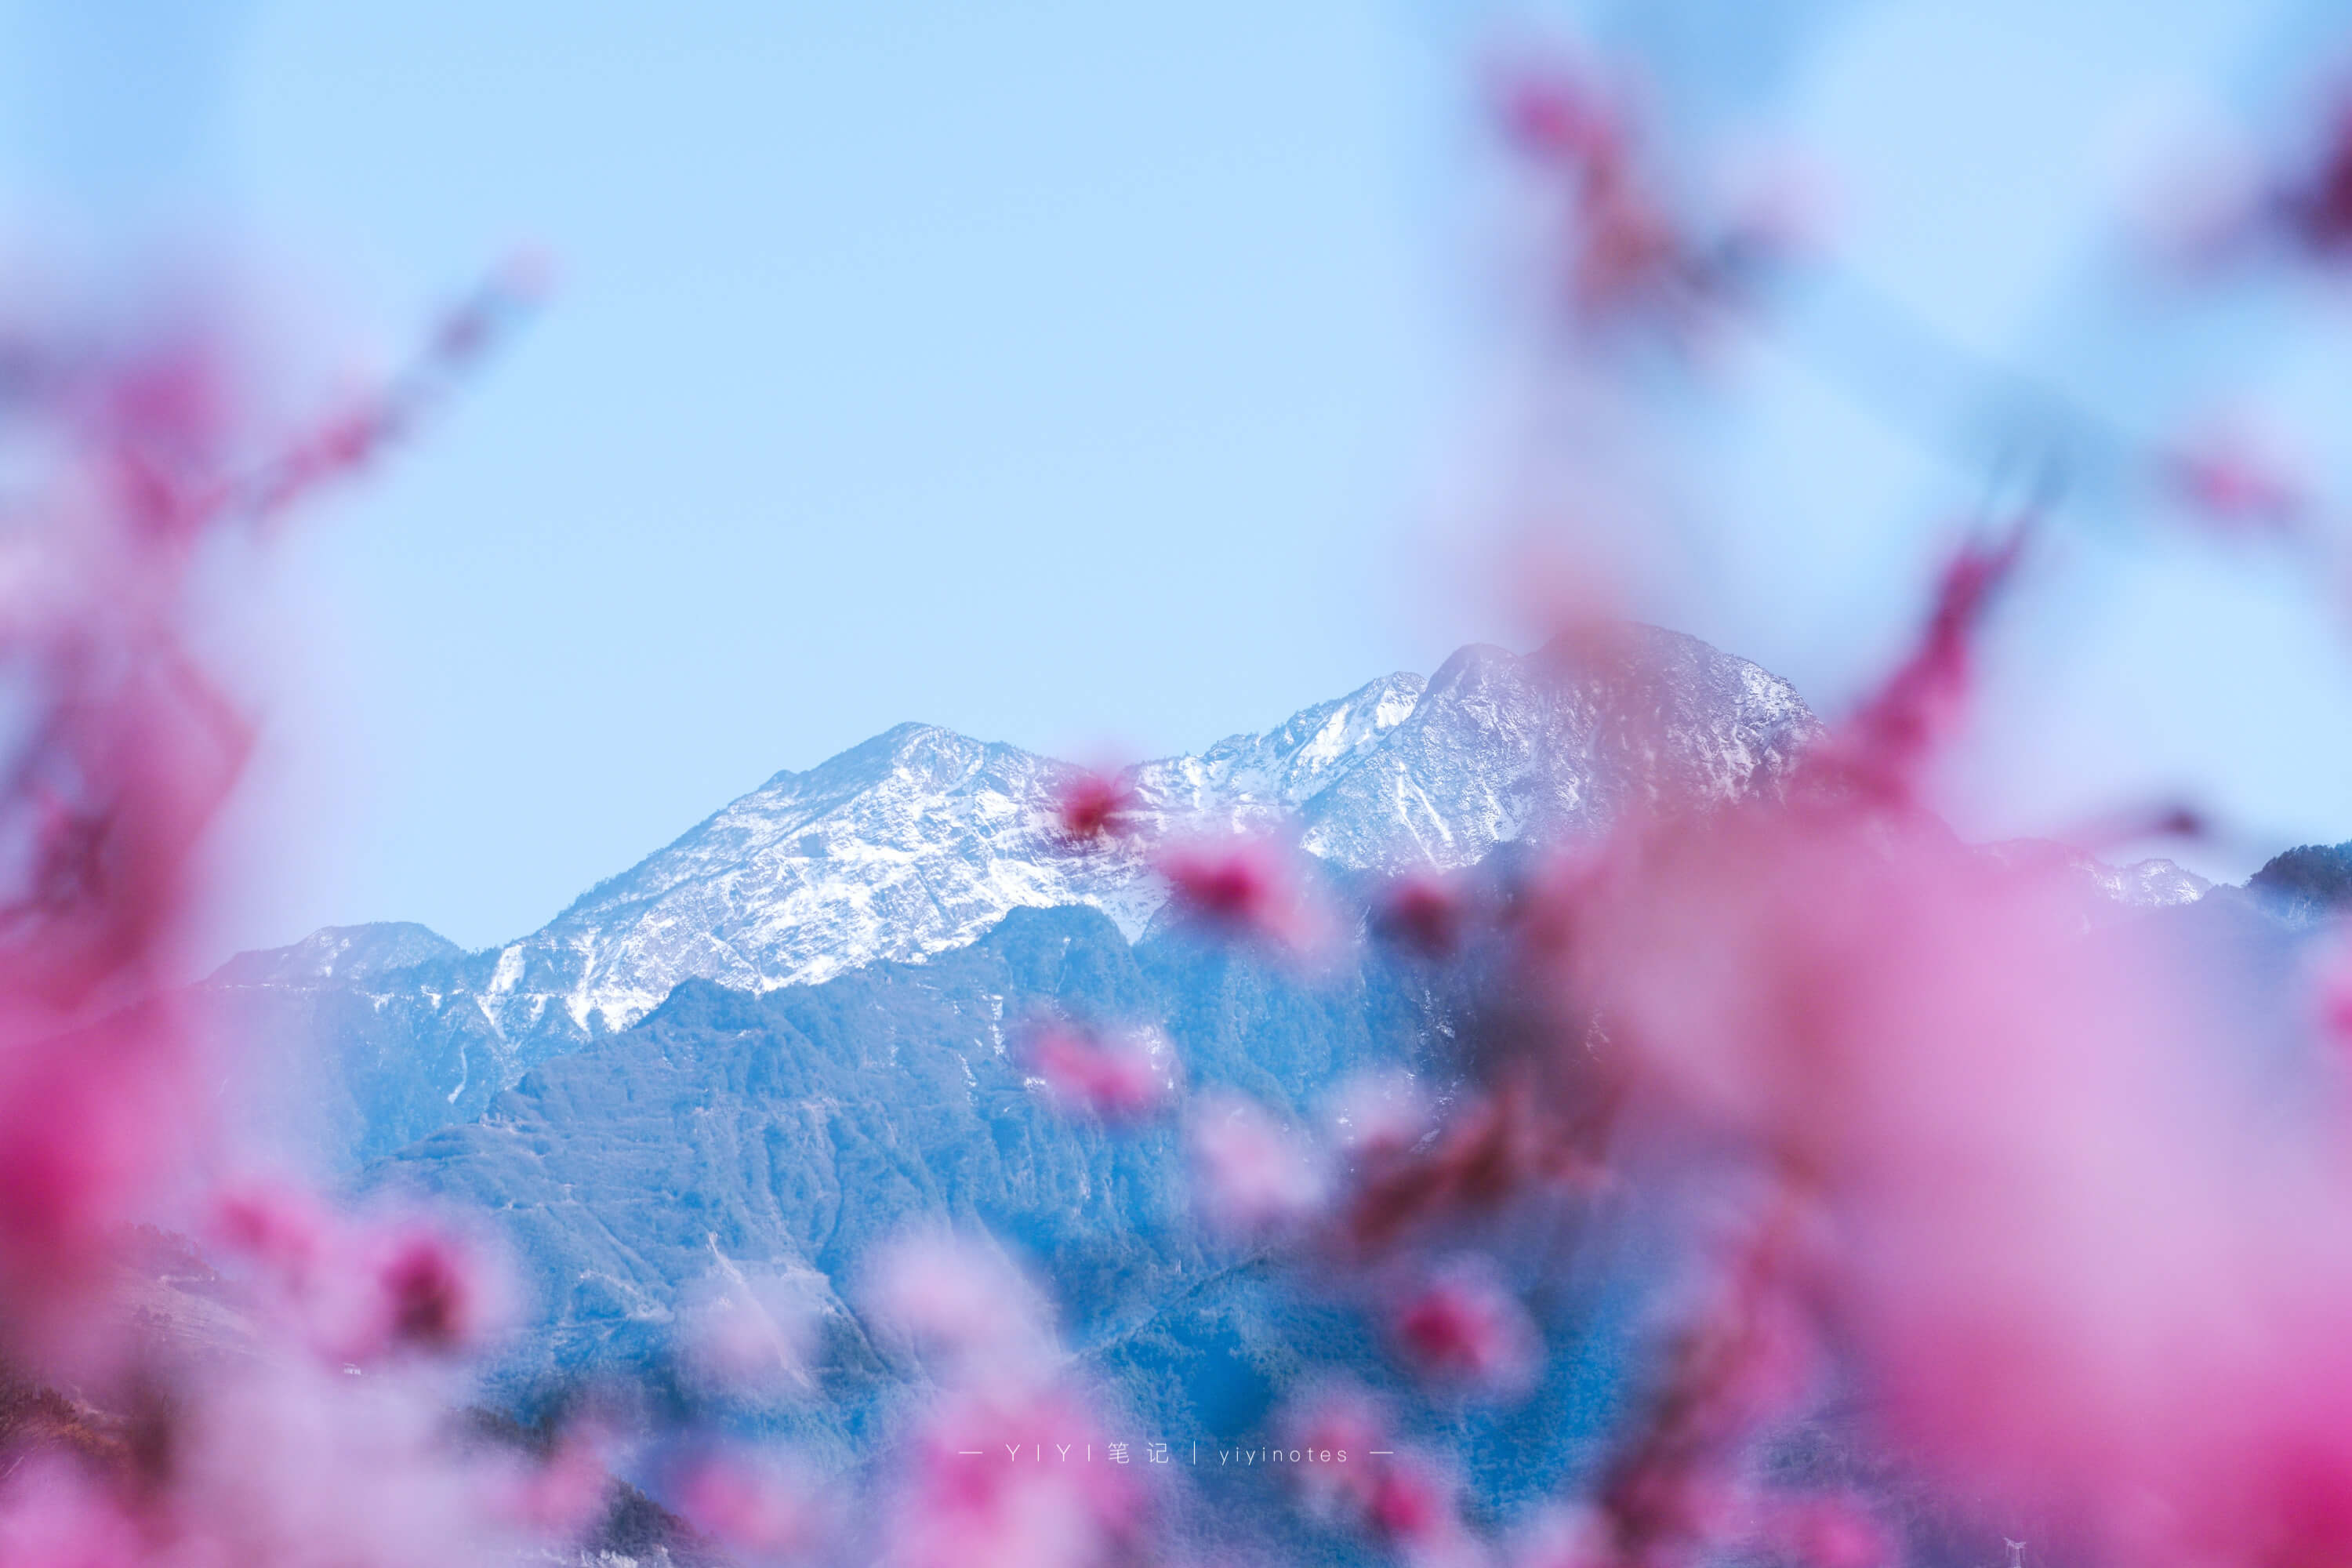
339,952
919,839
1502,746
901,745
1473,661
1253,781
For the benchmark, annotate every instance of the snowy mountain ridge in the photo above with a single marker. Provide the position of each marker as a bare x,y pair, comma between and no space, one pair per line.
920,839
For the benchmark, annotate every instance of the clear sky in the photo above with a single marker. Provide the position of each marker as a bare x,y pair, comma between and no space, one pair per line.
1104,377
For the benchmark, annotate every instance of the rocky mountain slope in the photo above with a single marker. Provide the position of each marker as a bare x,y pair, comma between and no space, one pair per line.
920,839
780,1138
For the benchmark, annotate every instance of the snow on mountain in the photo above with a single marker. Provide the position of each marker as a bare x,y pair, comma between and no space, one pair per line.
340,952
1501,748
2150,884
2110,891
1246,782
917,840
921,839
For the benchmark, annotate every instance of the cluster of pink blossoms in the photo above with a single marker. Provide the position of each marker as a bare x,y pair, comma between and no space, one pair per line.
1974,1164
315,1421
2001,1186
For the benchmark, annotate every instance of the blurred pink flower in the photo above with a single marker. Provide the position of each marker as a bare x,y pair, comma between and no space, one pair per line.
750,1336
2316,209
1629,258
360,1290
1415,1506
563,1495
1883,749
1556,114
1346,1422
54,1515
2231,480
1376,1115
1523,1136
139,431
2331,988
1252,1175
760,1508
1094,807
2043,1221
1563,1535
1122,1078
960,1297
435,1292
1246,886
1828,1530
1426,913
1013,1477
279,1226
1462,1329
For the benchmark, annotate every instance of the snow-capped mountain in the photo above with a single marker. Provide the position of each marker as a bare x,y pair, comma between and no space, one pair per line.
921,839
1551,747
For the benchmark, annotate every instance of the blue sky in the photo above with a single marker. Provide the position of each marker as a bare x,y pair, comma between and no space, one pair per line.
1106,377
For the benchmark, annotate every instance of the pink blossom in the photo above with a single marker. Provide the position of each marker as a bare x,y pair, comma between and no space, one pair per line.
1426,913
563,1495
361,1291
1628,256
1556,115
1883,749
2042,1221
1120,1078
1354,1476
91,1127
1415,1506
136,447
433,1292
1462,1329
1252,1174
53,1515
760,1508
280,1226
285,1461
1518,1138
1563,1536
2317,209
960,1297
1828,1530
2231,480
347,441
1245,886
2332,996
1094,807
1740,1360
1345,1421
1013,1477
750,1336
1379,1115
